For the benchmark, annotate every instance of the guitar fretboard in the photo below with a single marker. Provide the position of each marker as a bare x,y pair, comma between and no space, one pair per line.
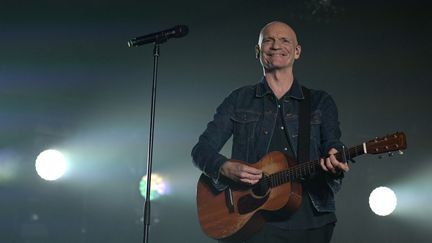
304,170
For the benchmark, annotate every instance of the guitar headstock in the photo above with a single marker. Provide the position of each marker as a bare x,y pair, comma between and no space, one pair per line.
389,143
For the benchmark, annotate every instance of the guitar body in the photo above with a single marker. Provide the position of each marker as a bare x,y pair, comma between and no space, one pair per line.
238,211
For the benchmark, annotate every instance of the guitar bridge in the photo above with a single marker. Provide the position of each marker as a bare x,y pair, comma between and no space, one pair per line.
229,199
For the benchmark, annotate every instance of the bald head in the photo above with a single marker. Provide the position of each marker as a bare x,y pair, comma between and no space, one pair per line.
277,26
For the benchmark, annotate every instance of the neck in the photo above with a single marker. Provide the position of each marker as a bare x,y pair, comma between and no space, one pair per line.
279,81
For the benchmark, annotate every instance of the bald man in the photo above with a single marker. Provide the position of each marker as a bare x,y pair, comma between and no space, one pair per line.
265,117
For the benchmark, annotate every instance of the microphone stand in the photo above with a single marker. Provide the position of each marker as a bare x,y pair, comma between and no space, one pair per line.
150,144
157,38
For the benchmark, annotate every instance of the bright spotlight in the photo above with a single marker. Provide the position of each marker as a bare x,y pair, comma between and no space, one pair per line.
158,186
382,201
50,165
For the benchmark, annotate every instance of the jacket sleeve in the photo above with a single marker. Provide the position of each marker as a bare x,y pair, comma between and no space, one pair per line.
330,131
330,137
206,153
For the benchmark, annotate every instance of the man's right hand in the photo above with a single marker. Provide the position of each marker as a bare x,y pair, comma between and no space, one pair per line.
241,172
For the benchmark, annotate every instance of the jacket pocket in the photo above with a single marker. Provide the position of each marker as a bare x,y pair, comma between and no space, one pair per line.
245,125
245,116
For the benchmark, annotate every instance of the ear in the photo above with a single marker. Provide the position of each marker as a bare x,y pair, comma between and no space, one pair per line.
257,52
297,52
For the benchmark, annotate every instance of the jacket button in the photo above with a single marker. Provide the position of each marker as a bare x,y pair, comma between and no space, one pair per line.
265,132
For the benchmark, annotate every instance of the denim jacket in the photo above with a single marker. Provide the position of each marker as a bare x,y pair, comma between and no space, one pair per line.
249,115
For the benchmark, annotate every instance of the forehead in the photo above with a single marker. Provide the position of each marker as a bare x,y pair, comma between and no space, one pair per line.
277,30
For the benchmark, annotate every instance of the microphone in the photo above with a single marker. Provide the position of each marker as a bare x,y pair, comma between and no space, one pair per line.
160,37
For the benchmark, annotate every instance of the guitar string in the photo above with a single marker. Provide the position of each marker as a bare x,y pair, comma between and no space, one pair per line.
304,169
309,167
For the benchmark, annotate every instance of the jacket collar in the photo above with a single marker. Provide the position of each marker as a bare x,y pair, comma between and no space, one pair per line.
295,92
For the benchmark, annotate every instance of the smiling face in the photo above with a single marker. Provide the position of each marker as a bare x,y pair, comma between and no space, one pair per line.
277,47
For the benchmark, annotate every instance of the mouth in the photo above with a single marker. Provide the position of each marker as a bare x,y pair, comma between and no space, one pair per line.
277,54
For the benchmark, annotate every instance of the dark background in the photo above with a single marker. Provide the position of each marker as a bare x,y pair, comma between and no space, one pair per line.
69,81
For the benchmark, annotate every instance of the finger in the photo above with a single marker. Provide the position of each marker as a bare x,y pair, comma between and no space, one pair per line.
251,173
343,166
248,181
322,165
329,165
249,176
332,151
337,164
251,170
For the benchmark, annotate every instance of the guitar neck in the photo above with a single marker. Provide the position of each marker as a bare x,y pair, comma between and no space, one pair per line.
306,169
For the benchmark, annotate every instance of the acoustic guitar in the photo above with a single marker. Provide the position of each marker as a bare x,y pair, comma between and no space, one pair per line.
239,211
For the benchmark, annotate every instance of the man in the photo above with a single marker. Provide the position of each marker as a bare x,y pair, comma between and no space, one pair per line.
264,118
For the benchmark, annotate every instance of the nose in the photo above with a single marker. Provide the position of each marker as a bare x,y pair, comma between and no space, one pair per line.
275,44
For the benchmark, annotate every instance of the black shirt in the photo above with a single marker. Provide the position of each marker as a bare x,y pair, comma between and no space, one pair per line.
306,217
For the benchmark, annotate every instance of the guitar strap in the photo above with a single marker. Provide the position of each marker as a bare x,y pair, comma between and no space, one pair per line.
304,127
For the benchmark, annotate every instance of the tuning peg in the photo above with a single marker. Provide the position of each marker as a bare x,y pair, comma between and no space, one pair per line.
400,152
390,154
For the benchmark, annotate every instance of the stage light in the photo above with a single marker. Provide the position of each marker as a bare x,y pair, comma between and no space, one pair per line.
50,165
8,170
158,188
415,196
382,201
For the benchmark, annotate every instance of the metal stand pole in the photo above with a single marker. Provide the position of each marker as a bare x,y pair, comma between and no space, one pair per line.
150,145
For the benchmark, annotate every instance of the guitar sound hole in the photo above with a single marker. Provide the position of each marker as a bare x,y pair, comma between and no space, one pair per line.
261,188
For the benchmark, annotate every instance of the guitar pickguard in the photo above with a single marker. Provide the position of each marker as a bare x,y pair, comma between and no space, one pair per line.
249,203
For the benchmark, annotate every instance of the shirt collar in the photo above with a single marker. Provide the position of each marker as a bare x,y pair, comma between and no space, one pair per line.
294,92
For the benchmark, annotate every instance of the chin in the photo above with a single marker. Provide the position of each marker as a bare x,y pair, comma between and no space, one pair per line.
275,66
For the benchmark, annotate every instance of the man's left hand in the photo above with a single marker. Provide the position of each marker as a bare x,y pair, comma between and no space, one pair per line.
332,165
